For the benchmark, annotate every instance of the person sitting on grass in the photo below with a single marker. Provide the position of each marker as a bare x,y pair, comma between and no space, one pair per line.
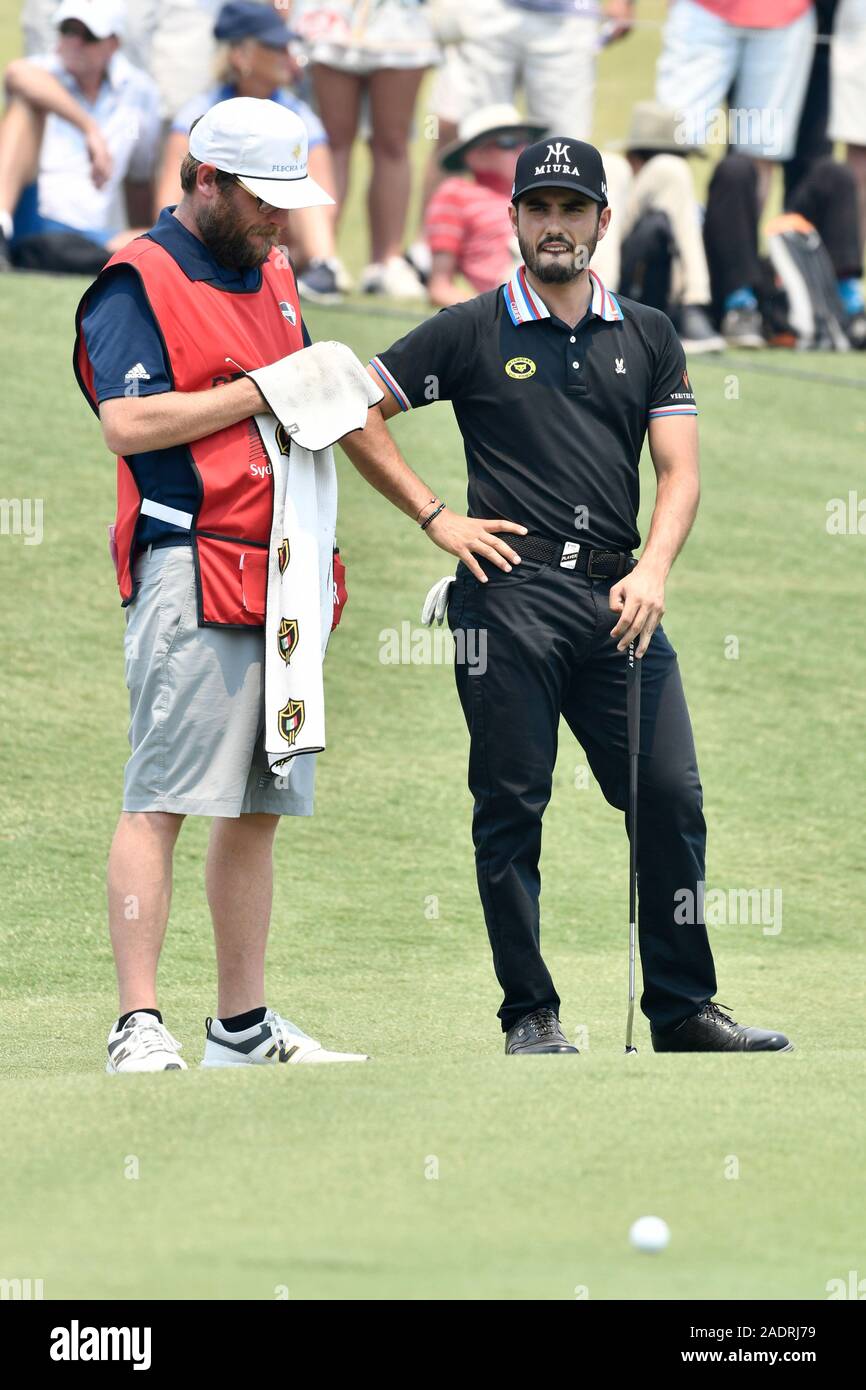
654,251
256,63
466,225
81,127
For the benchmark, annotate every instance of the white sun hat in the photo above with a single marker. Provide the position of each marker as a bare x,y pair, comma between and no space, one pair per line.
102,17
265,144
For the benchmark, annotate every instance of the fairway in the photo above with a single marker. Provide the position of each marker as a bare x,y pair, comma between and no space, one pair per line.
443,1169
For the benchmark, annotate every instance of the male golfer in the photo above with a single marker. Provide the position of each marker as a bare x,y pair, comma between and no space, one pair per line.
161,327
554,385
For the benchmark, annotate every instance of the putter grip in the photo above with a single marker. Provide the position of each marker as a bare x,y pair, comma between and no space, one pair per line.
633,702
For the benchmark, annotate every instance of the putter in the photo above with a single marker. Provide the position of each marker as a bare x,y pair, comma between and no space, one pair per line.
632,703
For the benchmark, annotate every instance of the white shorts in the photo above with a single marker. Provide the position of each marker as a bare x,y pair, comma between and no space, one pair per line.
196,705
848,74
703,58
363,39
551,57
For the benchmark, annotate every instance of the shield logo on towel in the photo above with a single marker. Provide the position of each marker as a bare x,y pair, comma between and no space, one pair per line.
283,554
288,312
290,721
287,638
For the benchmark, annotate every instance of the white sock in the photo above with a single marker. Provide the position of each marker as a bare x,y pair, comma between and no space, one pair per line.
6,226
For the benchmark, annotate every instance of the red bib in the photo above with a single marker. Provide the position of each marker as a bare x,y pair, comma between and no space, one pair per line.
202,327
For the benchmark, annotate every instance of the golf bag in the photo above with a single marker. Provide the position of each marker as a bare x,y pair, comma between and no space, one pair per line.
802,265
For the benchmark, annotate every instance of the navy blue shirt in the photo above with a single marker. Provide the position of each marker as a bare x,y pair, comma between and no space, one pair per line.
126,350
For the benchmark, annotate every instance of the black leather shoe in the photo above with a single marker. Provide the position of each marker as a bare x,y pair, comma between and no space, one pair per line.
537,1032
712,1030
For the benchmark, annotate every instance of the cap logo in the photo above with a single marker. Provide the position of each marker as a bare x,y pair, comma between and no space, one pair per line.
558,154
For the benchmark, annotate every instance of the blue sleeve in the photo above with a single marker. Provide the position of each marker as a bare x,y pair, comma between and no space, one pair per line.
123,341
308,342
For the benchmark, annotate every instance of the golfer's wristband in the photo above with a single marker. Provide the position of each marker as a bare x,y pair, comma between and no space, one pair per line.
426,522
430,503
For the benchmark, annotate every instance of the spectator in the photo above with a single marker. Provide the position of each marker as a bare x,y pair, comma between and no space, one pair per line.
848,104
826,197
467,226
654,250
546,47
81,125
379,51
169,39
256,63
754,58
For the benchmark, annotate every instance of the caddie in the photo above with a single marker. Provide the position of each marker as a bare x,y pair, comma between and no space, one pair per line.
191,347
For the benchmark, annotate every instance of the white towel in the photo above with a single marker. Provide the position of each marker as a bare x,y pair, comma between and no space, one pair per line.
317,395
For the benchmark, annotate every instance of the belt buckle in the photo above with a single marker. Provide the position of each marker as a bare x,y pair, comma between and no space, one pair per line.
590,574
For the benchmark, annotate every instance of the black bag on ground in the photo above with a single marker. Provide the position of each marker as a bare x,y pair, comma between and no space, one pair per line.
645,260
63,253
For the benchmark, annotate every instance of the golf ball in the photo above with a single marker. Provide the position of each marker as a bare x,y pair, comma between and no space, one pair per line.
649,1233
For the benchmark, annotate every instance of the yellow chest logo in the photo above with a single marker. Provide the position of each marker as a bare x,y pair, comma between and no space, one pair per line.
520,368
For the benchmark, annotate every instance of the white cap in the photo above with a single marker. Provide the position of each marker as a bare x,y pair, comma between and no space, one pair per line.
102,17
264,144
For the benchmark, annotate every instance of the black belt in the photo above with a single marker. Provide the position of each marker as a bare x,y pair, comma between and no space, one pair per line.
571,555
175,538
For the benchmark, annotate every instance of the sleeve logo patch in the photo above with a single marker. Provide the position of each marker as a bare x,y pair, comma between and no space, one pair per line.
520,368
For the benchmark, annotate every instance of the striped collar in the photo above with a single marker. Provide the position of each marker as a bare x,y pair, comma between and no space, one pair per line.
525,306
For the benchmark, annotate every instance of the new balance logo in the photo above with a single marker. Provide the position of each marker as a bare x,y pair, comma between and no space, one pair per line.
620,367
137,373
285,1053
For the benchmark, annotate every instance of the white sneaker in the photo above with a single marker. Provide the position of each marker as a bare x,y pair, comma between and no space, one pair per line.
143,1044
275,1040
394,277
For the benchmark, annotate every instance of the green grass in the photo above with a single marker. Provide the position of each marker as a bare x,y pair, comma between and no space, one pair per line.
316,1180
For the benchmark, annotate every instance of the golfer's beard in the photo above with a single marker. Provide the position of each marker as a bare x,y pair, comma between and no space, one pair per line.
561,271
231,245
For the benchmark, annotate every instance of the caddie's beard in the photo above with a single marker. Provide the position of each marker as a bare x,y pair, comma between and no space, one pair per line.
237,248
562,269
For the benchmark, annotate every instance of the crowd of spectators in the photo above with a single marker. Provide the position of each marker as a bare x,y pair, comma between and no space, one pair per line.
99,108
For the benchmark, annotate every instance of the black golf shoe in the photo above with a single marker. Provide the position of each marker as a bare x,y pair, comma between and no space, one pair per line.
537,1032
712,1030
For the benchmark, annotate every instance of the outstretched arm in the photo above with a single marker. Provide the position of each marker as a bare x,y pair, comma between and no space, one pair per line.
377,458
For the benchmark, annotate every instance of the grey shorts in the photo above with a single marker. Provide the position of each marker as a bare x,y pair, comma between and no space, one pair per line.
197,707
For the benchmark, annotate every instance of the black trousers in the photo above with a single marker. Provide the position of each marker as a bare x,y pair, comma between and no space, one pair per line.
826,196
533,645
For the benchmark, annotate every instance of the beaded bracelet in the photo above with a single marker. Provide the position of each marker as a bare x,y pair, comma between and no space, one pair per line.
432,516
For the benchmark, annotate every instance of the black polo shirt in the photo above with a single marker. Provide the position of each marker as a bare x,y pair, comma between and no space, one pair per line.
553,418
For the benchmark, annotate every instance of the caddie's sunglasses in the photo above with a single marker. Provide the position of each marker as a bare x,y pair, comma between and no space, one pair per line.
74,29
260,202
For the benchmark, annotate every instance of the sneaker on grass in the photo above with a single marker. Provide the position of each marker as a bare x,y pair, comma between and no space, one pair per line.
274,1040
143,1044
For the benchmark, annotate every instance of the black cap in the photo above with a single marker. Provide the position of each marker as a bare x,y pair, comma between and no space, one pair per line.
560,162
